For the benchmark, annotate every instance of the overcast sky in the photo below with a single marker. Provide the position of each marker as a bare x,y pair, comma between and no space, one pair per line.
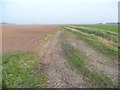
59,11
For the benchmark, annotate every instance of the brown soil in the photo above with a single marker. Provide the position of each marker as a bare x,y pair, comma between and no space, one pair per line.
19,37
0,38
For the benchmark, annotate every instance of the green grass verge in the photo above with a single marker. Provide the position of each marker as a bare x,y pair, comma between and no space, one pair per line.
77,60
18,71
108,35
98,45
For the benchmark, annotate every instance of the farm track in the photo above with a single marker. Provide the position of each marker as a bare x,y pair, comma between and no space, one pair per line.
59,73
52,56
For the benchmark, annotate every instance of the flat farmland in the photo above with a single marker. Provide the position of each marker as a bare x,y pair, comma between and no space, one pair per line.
59,56
18,37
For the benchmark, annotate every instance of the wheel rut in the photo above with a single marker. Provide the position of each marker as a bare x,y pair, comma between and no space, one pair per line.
96,60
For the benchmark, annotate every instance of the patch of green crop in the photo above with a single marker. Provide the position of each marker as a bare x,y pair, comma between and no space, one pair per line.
77,60
47,36
18,71
105,27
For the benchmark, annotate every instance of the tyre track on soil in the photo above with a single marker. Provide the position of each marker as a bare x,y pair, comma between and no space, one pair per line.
96,60
60,75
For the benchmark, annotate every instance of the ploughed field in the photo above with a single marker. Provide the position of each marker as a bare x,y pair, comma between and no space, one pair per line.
60,56
18,37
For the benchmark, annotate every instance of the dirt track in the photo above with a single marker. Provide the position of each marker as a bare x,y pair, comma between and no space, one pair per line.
59,72
51,54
